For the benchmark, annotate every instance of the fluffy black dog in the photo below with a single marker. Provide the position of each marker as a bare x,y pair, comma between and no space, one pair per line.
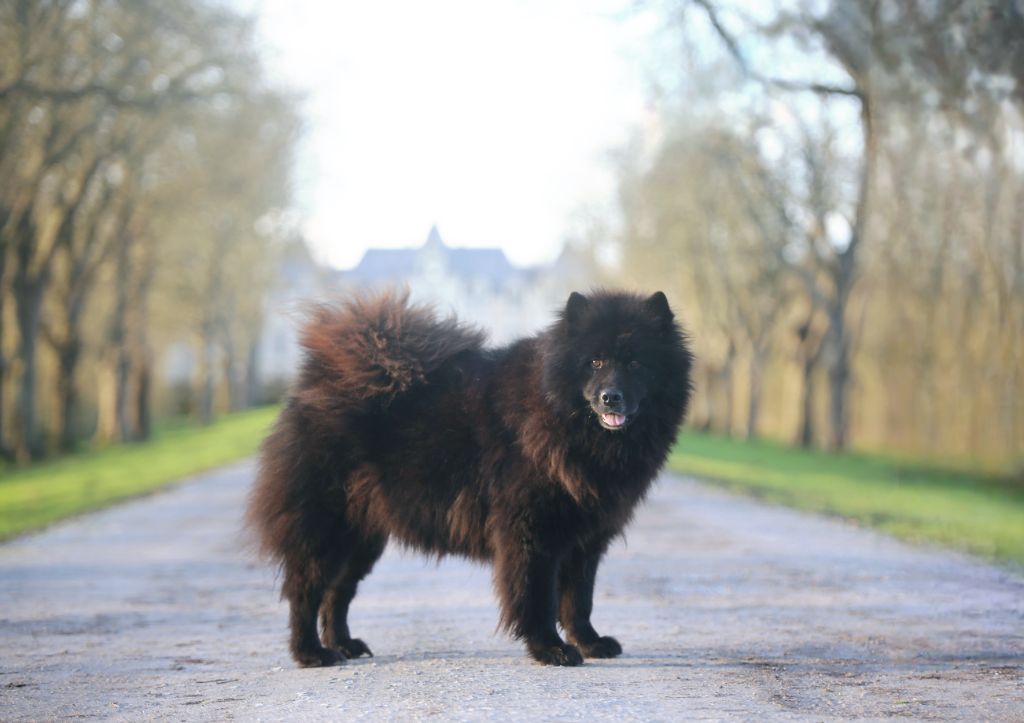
532,456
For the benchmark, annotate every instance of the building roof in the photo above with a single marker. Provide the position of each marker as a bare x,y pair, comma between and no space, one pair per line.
385,264
488,264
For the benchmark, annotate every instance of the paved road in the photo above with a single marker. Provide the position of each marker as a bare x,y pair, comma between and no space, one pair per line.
728,610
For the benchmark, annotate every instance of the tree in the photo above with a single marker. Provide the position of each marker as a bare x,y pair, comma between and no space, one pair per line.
849,34
870,193
94,98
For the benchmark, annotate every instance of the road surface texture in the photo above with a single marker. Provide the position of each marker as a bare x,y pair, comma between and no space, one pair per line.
727,610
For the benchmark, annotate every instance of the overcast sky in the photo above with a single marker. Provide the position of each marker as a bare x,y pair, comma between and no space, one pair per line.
491,119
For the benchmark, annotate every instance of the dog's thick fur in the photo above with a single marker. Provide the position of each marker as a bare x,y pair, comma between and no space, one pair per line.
532,456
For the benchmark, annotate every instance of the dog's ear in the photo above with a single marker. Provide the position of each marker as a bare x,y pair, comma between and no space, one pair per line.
657,304
575,307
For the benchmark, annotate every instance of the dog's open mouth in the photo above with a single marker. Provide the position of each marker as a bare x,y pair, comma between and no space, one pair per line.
614,420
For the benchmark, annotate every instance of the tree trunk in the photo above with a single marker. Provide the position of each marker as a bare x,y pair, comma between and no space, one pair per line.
69,353
844,277
725,379
143,410
68,356
28,304
253,395
207,387
118,339
839,382
5,451
703,418
28,294
122,377
233,372
756,371
806,435
105,425
809,345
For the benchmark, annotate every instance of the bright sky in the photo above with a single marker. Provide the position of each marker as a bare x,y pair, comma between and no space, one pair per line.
491,119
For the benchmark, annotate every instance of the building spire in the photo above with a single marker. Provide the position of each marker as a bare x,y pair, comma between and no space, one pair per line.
433,238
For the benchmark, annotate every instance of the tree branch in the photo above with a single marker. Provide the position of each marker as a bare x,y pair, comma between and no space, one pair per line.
733,46
114,96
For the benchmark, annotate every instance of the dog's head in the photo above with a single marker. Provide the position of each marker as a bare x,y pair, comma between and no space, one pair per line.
613,355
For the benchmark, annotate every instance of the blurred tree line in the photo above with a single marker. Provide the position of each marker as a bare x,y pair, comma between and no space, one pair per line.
835,192
144,166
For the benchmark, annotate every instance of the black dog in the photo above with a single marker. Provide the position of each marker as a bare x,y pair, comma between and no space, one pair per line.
532,456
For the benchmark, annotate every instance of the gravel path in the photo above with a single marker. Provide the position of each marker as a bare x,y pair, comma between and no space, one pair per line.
727,609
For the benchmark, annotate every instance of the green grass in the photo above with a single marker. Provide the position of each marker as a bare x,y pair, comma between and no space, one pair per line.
43,493
978,513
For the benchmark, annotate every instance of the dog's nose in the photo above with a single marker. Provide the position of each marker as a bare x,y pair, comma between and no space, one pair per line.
611,396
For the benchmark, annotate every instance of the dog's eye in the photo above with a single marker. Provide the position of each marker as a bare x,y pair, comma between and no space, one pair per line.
634,364
596,363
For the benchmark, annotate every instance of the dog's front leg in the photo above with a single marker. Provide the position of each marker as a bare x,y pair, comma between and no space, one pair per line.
526,581
576,588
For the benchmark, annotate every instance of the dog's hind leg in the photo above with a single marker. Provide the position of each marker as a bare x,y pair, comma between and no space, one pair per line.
355,562
304,589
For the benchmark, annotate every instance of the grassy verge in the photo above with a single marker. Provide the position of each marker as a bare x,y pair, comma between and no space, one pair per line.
46,492
973,512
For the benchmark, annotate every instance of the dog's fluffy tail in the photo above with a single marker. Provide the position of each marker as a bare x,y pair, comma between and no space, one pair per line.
369,349
360,354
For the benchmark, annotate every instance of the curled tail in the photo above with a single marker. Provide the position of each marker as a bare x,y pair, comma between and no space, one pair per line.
359,355
369,349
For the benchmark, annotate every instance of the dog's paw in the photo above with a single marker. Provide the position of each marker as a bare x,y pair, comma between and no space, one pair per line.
603,647
353,648
319,657
559,654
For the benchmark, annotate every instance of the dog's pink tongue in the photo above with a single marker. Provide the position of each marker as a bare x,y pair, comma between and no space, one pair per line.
614,420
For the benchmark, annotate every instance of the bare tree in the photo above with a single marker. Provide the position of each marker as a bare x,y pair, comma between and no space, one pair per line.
849,33
90,95
870,193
